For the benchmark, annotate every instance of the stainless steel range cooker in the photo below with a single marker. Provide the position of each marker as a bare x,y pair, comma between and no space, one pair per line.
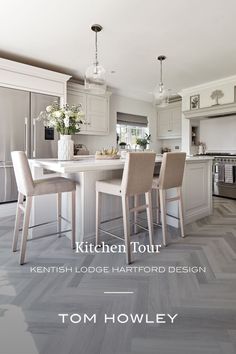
224,174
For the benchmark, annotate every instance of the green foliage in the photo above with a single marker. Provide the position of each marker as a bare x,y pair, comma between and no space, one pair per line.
143,142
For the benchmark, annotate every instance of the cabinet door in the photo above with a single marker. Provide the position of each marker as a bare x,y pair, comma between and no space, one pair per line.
175,123
163,124
75,98
169,123
14,135
97,114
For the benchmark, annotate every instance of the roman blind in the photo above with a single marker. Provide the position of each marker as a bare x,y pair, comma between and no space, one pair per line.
132,119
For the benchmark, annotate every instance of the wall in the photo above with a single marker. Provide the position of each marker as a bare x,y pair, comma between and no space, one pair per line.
227,85
127,105
171,144
219,133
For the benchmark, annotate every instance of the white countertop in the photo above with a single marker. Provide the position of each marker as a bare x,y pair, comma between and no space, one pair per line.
89,163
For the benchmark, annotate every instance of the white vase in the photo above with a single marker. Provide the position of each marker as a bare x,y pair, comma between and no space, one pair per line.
65,148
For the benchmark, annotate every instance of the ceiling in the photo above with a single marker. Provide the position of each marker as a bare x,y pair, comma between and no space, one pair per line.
198,38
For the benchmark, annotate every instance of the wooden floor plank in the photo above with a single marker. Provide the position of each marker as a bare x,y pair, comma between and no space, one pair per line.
205,302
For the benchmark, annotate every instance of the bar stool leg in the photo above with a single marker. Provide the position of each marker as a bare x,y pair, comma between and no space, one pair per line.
59,214
28,204
98,215
73,213
181,216
158,206
136,204
125,208
163,215
17,222
148,198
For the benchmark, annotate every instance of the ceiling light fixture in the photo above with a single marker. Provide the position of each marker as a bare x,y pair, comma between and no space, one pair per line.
95,74
161,95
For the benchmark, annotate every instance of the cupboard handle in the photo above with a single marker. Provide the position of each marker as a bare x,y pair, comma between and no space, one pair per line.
26,136
34,137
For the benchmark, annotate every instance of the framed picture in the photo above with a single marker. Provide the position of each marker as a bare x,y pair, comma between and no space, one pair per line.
195,102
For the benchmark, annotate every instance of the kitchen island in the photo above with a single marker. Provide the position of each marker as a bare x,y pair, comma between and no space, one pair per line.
197,191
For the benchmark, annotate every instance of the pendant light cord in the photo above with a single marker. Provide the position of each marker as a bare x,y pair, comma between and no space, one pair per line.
96,49
161,83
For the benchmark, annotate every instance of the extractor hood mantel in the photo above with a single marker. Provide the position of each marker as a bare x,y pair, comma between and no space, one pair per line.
216,111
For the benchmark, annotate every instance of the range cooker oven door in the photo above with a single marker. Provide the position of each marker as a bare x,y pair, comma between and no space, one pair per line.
220,188
215,177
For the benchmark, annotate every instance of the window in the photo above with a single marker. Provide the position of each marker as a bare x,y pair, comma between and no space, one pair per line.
130,127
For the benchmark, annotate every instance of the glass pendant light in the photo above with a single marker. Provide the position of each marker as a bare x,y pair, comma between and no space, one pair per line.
161,94
95,80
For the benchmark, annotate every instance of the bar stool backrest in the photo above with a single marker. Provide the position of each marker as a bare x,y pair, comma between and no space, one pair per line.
138,173
23,174
172,170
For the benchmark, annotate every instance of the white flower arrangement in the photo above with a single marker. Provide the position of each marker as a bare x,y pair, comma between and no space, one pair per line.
66,120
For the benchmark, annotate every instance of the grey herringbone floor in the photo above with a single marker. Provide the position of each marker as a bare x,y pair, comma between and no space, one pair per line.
205,302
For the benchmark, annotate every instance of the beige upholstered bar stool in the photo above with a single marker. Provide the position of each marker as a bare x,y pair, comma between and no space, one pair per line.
171,176
137,179
28,188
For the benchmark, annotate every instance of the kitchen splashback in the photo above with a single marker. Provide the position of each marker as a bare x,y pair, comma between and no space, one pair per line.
219,134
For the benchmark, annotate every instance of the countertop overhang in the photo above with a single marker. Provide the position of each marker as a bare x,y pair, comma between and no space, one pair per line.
89,163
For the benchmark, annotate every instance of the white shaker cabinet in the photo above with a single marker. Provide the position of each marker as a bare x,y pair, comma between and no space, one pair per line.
76,98
97,114
169,122
96,109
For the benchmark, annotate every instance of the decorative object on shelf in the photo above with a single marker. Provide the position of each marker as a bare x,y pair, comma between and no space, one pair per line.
216,95
66,120
80,149
201,148
161,94
122,145
95,80
194,135
165,149
195,102
107,154
143,142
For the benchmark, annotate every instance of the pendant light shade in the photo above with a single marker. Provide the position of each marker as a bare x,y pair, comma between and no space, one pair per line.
95,80
160,93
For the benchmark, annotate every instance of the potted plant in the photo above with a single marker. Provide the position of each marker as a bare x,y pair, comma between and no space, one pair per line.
66,120
143,142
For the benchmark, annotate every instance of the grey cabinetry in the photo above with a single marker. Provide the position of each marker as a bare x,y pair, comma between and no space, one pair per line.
13,127
43,140
13,136
19,130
